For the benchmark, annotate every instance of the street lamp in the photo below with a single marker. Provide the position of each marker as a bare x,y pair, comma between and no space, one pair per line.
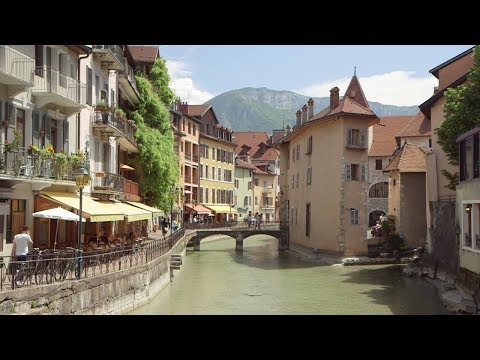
82,178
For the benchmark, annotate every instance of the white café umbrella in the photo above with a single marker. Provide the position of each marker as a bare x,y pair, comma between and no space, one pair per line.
58,214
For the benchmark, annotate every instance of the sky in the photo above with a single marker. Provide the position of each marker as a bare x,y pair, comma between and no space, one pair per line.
389,74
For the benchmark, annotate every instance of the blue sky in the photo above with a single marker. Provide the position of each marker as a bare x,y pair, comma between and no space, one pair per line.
390,74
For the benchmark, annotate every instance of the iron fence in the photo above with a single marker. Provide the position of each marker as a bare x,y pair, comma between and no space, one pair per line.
234,225
52,81
50,267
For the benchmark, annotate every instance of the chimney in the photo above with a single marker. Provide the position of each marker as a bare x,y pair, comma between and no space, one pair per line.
304,113
299,118
183,107
334,97
310,108
287,130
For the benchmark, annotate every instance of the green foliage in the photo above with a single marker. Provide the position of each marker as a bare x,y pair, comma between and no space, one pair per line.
453,179
160,80
462,113
157,162
389,225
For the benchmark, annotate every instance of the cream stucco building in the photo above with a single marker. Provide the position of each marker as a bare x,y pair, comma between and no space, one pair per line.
324,177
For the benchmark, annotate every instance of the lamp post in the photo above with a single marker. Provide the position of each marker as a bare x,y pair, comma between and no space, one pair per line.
82,178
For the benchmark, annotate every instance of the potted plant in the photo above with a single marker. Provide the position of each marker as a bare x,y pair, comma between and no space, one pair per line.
120,114
100,106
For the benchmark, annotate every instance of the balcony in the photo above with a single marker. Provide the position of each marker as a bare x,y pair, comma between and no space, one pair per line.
129,84
21,164
106,124
16,70
130,190
111,56
105,182
53,87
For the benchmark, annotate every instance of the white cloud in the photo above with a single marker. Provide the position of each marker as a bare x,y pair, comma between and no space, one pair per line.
399,88
183,85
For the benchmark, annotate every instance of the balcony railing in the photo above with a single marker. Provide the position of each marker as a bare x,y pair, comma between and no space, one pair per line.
111,55
16,66
108,182
130,187
23,162
48,80
120,127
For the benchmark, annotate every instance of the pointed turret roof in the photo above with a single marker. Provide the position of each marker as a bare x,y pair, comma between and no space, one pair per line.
355,92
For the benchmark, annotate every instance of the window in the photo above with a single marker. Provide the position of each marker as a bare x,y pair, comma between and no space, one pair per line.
355,172
181,146
378,164
309,176
213,153
245,201
296,182
236,184
249,185
249,200
194,130
213,196
430,143
89,86
356,137
309,146
256,200
293,181
201,195
354,216
379,190
97,88
201,171
219,174
39,58
469,159
298,151
183,126
293,154
307,220
213,172
16,219
264,184
467,225
394,182
476,155
206,195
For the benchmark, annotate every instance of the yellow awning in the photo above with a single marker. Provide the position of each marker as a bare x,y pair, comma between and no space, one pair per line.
132,213
91,209
155,211
221,209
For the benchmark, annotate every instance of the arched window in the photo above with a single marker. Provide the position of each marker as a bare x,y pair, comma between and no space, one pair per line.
245,201
379,190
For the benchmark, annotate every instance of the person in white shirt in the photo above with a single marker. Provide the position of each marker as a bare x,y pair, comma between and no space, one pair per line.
21,244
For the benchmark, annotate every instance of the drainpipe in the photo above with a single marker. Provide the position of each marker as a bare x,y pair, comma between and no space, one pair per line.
78,77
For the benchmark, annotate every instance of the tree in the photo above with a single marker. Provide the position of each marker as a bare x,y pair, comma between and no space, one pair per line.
462,113
157,161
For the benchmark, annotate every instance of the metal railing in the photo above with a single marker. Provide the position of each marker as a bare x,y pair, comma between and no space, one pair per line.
130,75
468,240
121,125
17,65
233,225
24,162
109,182
67,265
50,80
115,50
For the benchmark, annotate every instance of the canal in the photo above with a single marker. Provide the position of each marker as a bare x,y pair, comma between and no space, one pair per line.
261,280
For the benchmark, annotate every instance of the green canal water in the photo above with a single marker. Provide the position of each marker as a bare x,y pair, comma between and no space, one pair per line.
261,280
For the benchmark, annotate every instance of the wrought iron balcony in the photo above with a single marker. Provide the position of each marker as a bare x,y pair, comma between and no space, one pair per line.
53,87
16,69
24,163
106,124
108,182
111,56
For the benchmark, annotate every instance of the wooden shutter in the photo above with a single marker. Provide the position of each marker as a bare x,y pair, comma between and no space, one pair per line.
363,137
36,128
48,128
348,172
364,172
11,113
349,137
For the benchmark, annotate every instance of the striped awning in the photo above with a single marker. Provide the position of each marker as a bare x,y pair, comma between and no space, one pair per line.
91,209
222,209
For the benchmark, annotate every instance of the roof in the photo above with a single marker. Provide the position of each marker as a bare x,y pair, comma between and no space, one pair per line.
252,140
384,143
345,106
410,158
468,134
436,69
155,211
132,213
355,92
144,53
198,110
419,125
245,165
425,107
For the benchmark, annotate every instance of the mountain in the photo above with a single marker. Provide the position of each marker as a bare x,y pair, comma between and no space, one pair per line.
262,109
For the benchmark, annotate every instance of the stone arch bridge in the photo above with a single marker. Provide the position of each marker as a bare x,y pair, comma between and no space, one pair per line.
239,234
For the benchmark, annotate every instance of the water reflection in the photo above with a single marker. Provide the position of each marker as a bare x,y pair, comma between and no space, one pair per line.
260,280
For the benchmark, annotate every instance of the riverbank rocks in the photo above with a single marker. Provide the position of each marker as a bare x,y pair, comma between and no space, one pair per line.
455,301
363,260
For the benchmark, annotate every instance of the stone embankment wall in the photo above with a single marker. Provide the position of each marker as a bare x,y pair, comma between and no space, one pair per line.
113,293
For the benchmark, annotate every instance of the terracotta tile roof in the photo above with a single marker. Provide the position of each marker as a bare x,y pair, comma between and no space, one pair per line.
243,164
410,158
384,143
419,125
253,139
144,53
355,92
198,110
346,105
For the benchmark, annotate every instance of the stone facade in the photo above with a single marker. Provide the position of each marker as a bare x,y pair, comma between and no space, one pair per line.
374,177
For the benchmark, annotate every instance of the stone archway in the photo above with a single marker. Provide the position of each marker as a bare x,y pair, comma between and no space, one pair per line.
374,216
